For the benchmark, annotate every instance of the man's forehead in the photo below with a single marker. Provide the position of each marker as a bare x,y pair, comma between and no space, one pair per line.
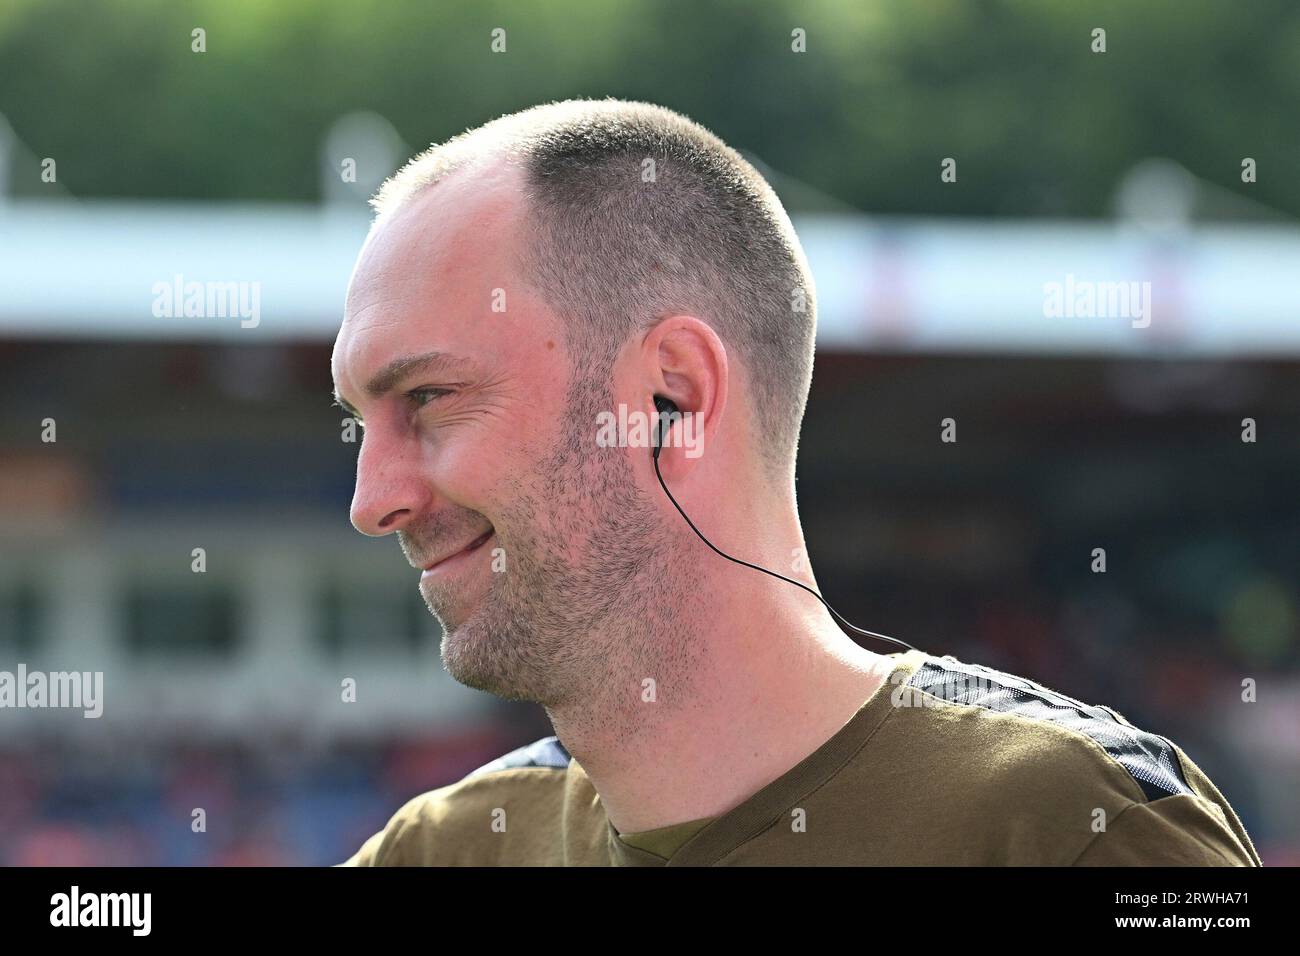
467,223
427,275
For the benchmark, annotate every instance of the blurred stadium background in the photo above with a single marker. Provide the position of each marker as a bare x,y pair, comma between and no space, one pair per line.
222,689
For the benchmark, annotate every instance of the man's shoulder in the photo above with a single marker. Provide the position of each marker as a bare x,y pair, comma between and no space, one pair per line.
442,824
1017,722
1059,769
547,753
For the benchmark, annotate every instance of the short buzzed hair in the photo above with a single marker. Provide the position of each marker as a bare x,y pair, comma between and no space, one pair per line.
640,213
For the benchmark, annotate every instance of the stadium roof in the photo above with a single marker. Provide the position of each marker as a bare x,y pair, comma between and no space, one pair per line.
94,269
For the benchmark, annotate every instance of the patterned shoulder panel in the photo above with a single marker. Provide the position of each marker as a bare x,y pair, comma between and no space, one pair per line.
547,752
1149,758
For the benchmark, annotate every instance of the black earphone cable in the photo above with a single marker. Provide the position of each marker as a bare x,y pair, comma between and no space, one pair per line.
852,627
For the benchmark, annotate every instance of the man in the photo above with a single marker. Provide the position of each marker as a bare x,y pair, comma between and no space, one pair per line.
521,284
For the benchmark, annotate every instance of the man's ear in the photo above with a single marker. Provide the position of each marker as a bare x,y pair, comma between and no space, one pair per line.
685,363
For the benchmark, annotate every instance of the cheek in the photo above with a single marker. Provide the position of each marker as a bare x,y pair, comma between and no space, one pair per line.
493,476
468,474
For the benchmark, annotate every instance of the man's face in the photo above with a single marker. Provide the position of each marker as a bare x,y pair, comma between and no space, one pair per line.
479,448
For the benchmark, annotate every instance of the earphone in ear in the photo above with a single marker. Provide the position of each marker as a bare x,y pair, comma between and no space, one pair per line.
667,414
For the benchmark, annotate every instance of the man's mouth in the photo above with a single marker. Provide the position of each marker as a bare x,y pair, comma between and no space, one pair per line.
472,546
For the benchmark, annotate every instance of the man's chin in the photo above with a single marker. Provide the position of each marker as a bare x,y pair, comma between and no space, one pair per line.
452,611
470,656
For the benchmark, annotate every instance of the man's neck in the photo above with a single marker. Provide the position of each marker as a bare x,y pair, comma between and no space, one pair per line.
771,679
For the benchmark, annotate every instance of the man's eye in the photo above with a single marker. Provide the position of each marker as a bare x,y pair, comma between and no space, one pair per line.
423,396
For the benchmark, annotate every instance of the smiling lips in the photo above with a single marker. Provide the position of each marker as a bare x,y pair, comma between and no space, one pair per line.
472,546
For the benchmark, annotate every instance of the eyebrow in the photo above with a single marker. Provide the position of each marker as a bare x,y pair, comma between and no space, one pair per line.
392,374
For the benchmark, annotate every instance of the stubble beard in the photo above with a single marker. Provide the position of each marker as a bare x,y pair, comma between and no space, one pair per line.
592,597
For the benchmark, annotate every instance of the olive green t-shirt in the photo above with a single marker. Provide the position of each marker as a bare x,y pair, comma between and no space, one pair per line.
664,841
946,763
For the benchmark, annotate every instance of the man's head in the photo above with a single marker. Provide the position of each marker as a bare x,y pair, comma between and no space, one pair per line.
520,280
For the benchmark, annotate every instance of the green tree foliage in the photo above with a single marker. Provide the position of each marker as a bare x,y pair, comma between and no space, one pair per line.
1038,123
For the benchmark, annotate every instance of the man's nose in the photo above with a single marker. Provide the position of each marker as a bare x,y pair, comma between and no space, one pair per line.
389,491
